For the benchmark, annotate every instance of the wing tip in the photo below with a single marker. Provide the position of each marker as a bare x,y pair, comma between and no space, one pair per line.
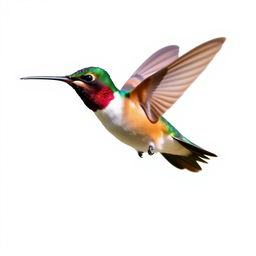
220,40
171,47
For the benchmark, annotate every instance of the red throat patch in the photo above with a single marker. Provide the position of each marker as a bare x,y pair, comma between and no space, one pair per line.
95,98
102,97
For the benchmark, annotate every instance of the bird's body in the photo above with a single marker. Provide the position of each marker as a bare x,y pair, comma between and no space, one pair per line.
134,113
126,120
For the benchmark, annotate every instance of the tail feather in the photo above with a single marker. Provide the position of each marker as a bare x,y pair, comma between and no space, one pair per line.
189,162
196,149
183,162
197,158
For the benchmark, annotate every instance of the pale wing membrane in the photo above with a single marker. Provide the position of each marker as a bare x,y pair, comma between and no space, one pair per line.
163,92
153,64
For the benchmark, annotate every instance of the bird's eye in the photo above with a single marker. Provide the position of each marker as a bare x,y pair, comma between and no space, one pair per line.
88,78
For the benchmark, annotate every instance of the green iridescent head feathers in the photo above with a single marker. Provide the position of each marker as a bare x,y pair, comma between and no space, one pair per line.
99,73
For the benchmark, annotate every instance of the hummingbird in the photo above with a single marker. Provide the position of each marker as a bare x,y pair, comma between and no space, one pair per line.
134,114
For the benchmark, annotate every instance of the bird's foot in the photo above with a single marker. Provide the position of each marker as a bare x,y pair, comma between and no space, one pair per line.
140,153
151,150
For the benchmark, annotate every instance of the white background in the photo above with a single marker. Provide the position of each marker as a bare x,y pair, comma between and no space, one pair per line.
70,188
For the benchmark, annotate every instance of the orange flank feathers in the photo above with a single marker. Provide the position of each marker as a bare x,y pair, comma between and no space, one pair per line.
135,118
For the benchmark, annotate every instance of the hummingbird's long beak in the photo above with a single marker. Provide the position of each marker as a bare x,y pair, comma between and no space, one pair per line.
59,78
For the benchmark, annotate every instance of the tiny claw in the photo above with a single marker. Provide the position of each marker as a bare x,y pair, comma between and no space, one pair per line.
151,150
140,153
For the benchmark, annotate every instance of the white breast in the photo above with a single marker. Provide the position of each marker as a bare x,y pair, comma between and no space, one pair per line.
112,118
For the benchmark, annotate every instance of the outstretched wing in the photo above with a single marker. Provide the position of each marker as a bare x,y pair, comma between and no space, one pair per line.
154,63
160,91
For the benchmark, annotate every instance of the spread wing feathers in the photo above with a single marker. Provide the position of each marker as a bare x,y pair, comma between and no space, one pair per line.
154,63
189,162
161,90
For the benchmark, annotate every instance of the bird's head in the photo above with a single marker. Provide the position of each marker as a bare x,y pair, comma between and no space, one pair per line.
92,84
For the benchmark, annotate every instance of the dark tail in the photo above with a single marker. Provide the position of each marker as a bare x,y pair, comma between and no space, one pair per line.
189,162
